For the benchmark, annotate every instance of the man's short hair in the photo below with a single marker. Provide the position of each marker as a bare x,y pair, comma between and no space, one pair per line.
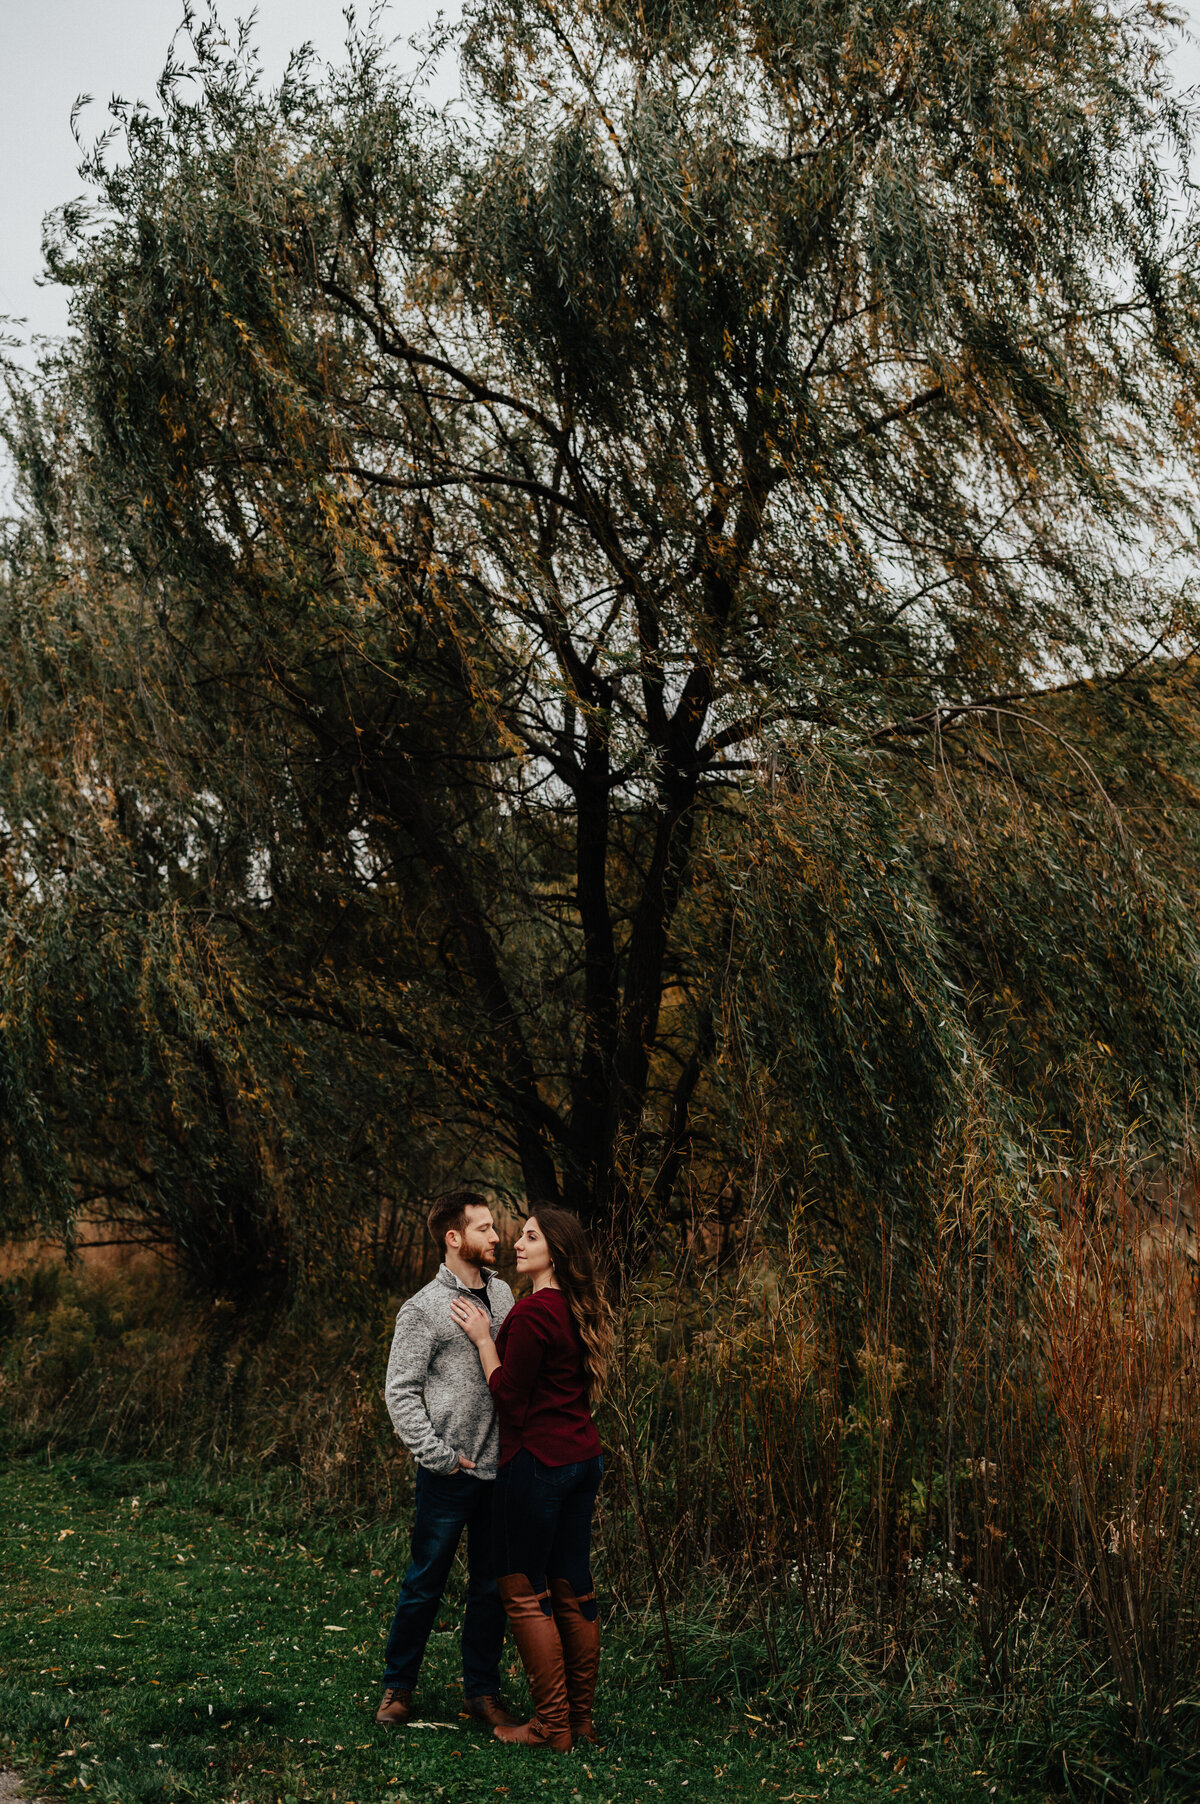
450,1212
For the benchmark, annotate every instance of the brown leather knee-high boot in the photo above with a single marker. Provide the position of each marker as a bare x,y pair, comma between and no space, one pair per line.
580,1636
536,1635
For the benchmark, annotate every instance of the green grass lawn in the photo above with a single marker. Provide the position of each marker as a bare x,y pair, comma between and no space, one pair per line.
164,1639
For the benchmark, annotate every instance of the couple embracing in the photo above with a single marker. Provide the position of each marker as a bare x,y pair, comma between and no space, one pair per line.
493,1400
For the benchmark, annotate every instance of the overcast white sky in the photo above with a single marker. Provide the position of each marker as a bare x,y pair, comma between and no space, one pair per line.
53,50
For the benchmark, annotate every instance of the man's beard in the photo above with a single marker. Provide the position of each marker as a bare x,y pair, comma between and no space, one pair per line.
478,1256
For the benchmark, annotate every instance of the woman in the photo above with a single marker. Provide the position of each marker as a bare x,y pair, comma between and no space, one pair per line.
545,1370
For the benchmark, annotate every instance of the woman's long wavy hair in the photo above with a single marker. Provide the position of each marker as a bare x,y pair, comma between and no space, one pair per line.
575,1271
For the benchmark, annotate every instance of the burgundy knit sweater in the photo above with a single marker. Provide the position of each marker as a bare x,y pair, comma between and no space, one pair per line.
539,1388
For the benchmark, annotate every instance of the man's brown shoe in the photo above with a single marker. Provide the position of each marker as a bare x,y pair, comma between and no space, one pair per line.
488,1709
395,1709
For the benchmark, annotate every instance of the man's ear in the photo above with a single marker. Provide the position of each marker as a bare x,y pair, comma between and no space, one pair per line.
453,1241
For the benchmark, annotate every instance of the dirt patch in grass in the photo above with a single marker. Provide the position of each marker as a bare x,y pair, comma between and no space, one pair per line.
12,1788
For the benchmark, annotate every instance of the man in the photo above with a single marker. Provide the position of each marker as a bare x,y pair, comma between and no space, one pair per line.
442,1410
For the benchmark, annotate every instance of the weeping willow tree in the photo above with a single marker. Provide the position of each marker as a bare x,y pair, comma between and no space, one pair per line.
1000,919
513,578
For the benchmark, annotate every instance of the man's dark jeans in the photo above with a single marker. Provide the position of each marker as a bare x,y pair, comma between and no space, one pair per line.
446,1504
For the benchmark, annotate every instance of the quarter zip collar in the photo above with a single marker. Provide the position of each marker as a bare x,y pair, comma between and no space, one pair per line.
448,1278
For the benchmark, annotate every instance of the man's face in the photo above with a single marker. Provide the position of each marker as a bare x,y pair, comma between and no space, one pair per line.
478,1240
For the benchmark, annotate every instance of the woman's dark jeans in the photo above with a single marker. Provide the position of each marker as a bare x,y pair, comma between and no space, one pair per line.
542,1521
446,1504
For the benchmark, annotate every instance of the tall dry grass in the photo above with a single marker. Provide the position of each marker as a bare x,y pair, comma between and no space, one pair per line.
1121,1315
967,1472
121,1364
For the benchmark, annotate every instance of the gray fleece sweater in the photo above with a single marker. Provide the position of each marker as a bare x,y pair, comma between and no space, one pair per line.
436,1393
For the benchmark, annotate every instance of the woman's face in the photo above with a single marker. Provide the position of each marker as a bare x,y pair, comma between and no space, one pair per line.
533,1255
